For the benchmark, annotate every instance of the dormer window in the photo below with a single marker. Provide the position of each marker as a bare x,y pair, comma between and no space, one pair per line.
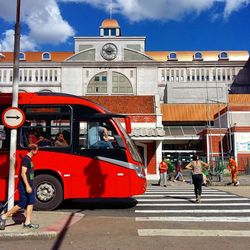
223,56
198,56
21,56
46,56
172,56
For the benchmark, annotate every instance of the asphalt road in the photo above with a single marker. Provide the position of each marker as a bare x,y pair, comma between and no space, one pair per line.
160,219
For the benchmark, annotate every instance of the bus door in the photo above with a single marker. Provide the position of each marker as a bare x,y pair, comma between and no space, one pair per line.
103,157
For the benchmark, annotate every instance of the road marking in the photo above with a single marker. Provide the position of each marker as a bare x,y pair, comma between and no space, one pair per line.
195,219
184,192
193,205
185,195
192,233
203,199
196,211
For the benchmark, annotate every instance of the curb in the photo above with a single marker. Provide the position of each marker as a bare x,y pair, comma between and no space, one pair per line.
49,231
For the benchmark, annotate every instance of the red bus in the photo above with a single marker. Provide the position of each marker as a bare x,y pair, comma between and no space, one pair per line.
79,168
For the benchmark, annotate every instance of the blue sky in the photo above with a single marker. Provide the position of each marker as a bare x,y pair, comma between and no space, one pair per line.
175,25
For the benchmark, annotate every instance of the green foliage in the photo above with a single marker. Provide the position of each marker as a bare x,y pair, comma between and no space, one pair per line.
220,166
171,166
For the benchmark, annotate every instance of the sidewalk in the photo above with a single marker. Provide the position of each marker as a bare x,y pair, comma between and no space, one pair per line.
52,224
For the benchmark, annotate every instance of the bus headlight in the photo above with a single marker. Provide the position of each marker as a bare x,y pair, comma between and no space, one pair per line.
139,172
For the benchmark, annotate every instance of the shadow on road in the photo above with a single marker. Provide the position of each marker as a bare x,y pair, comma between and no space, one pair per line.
97,203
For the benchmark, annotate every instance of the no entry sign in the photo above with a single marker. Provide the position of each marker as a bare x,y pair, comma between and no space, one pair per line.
13,117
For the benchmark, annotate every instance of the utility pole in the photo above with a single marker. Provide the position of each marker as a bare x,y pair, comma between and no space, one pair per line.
13,135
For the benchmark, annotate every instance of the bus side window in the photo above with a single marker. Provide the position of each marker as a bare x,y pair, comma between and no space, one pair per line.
44,123
2,136
83,135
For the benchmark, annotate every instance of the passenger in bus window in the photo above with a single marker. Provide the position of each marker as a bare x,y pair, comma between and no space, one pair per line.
98,136
36,136
60,140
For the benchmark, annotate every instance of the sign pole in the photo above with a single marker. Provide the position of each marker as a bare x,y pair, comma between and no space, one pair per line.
13,135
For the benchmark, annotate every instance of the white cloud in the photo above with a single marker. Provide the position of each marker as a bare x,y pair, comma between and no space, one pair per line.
7,43
234,5
163,10
44,23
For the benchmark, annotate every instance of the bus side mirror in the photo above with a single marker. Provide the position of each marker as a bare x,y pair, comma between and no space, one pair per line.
128,125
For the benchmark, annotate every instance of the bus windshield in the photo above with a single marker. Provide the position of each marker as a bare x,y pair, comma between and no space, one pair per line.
132,146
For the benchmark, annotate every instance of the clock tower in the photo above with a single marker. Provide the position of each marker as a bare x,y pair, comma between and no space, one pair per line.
110,28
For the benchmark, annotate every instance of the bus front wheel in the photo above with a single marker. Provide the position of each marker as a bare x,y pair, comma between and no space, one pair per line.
48,192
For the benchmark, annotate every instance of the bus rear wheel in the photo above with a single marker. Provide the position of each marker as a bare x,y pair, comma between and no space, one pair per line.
48,192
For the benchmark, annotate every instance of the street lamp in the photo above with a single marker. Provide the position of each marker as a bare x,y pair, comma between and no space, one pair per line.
13,135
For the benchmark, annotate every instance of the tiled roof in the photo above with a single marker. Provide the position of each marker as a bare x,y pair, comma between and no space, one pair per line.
160,56
189,112
126,104
203,112
239,99
148,132
37,56
206,55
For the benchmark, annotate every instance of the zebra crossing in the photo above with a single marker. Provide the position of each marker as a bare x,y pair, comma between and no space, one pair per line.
176,203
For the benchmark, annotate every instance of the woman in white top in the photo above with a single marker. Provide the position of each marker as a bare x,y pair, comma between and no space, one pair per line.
197,176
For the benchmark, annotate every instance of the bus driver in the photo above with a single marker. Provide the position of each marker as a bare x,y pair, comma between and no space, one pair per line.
98,136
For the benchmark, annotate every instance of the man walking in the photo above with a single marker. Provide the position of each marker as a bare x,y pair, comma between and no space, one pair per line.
26,190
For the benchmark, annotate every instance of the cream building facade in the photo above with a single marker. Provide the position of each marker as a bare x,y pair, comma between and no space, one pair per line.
112,64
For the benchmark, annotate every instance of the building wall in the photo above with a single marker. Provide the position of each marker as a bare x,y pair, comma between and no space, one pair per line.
151,158
72,81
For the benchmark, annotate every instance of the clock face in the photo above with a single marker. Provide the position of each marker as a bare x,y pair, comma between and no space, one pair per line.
109,51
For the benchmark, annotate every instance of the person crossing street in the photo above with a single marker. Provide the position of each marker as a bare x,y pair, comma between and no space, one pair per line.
26,190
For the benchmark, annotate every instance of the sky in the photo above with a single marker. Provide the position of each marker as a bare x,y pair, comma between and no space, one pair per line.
168,25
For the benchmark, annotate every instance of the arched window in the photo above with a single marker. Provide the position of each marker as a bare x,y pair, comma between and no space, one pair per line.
120,84
46,56
98,84
223,55
21,56
172,56
198,56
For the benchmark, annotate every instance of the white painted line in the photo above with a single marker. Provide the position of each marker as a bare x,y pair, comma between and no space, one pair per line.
193,233
185,195
184,192
192,205
195,219
203,199
196,211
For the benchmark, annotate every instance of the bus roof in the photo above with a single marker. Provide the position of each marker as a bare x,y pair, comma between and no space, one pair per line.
50,98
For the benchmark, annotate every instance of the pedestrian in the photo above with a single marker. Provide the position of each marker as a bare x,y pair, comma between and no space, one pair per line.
179,172
26,190
232,165
197,176
163,168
